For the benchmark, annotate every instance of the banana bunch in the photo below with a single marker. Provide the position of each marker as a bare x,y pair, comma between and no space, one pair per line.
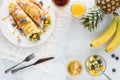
113,30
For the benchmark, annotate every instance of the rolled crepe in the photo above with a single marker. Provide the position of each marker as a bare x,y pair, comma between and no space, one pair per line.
32,9
22,20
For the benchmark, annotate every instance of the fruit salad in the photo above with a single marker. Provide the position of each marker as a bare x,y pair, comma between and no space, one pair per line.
95,65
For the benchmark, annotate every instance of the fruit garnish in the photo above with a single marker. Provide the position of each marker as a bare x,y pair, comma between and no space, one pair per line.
10,6
78,9
41,3
14,24
34,37
47,21
102,68
74,68
22,20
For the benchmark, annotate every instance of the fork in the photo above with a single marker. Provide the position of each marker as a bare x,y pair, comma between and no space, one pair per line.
28,58
35,63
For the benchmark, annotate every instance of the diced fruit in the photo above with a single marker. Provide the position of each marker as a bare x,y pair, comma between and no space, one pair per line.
95,56
92,58
102,68
10,6
46,22
99,61
34,37
94,72
93,67
49,18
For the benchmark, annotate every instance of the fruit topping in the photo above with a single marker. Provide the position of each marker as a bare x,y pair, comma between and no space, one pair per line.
14,24
22,20
34,37
41,3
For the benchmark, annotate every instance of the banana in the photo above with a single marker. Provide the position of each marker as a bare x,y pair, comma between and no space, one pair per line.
103,38
116,40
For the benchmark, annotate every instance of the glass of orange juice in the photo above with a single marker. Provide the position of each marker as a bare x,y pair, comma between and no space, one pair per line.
78,9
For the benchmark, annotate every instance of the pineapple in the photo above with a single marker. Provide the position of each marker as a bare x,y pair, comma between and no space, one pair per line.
108,6
93,17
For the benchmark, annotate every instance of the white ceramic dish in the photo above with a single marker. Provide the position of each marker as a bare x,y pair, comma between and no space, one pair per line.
7,28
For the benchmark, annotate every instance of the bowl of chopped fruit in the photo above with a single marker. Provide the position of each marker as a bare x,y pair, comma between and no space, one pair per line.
95,65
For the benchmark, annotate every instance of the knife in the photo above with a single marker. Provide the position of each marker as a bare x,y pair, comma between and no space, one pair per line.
37,62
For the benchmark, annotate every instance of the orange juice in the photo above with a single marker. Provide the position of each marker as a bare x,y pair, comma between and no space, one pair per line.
78,9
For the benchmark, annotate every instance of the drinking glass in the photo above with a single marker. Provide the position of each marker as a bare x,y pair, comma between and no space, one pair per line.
61,3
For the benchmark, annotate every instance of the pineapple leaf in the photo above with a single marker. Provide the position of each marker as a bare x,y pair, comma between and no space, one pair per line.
92,18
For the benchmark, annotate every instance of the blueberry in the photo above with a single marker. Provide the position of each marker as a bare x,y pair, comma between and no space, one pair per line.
43,18
23,20
117,58
113,70
99,61
21,31
41,3
95,56
13,24
113,55
93,67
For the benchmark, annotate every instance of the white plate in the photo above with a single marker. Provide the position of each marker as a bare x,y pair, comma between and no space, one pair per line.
7,28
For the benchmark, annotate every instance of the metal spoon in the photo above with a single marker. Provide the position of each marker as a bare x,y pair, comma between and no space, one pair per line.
105,75
28,58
